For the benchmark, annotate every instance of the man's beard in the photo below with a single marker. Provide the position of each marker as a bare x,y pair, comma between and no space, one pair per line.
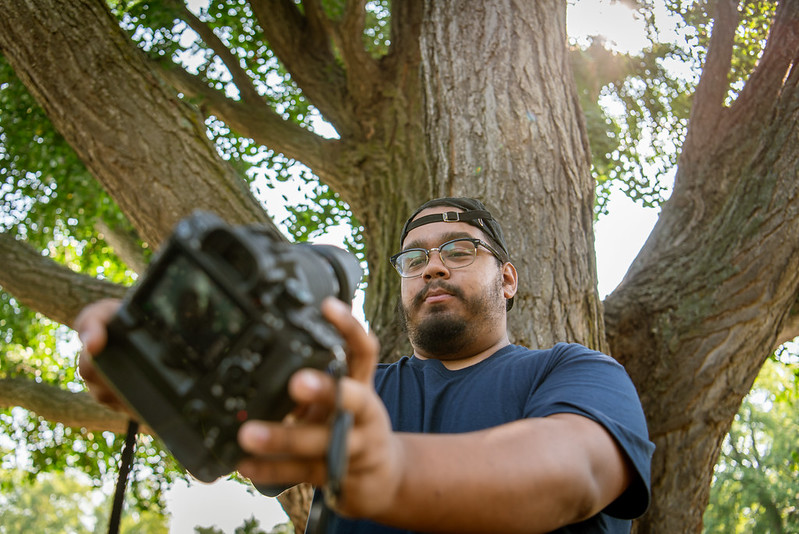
445,333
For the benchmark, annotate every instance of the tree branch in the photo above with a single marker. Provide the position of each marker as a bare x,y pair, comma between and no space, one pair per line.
764,86
406,22
714,83
125,245
35,281
61,406
316,18
362,70
306,53
240,77
259,123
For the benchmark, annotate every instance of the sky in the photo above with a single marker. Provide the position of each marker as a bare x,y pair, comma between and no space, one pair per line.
619,237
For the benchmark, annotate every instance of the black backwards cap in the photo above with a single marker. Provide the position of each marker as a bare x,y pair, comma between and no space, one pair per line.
474,213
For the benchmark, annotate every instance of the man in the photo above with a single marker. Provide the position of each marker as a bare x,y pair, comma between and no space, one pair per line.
470,433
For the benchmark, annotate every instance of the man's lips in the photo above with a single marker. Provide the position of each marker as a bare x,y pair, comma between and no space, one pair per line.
437,295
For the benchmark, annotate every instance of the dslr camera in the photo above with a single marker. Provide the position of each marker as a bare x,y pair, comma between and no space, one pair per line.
210,335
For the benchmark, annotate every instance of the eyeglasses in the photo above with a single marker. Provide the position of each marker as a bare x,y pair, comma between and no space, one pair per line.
454,254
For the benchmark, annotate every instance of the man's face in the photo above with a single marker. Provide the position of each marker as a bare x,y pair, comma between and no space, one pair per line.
446,311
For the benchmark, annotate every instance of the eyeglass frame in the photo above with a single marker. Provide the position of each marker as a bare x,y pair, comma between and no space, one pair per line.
475,241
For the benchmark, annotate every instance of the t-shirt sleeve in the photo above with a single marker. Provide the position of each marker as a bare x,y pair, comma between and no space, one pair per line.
585,382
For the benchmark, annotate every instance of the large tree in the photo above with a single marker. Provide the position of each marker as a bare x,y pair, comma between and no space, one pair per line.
465,98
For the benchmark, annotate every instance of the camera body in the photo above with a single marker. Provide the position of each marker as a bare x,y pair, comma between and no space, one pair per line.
211,334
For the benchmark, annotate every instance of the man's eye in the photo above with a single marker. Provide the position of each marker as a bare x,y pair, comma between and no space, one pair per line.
414,261
459,250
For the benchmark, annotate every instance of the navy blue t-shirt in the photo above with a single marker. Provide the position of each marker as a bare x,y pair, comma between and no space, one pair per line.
517,383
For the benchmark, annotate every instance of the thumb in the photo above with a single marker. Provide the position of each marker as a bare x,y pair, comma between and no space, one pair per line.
362,346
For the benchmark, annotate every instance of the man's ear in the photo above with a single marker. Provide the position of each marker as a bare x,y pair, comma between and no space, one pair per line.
510,280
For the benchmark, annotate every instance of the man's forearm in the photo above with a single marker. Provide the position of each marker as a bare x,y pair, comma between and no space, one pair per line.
528,476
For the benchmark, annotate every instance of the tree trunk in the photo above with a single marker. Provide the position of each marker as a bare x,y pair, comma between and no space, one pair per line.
704,302
296,502
503,124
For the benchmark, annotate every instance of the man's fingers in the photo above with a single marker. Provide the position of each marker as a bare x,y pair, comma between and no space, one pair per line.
285,471
286,453
317,388
265,438
91,326
273,441
92,322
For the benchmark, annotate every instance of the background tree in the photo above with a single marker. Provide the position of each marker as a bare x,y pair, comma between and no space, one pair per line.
249,527
755,486
443,98
64,502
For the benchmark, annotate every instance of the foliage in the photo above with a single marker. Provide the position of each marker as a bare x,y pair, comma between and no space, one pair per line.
636,116
637,104
45,447
64,502
756,480
312,219
636,107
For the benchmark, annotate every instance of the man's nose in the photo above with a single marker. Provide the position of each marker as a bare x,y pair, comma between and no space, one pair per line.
435,267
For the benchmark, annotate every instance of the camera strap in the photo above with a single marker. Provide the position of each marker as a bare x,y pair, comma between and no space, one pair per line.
336,456
125,465
337,447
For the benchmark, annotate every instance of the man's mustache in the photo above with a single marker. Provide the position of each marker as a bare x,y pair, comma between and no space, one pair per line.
449,288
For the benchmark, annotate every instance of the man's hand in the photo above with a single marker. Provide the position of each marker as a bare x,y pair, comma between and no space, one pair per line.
296,451
91,325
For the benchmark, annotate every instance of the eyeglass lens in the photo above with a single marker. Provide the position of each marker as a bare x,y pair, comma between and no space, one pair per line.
454,254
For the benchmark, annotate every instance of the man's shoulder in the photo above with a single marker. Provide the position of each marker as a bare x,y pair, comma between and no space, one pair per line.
403,361
559,352
511,358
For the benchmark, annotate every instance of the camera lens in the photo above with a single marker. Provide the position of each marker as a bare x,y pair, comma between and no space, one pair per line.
345,267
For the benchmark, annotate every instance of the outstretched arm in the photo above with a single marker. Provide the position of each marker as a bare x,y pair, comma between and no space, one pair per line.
532,475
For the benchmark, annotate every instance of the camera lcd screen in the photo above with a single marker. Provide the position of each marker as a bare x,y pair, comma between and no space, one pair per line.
200,318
